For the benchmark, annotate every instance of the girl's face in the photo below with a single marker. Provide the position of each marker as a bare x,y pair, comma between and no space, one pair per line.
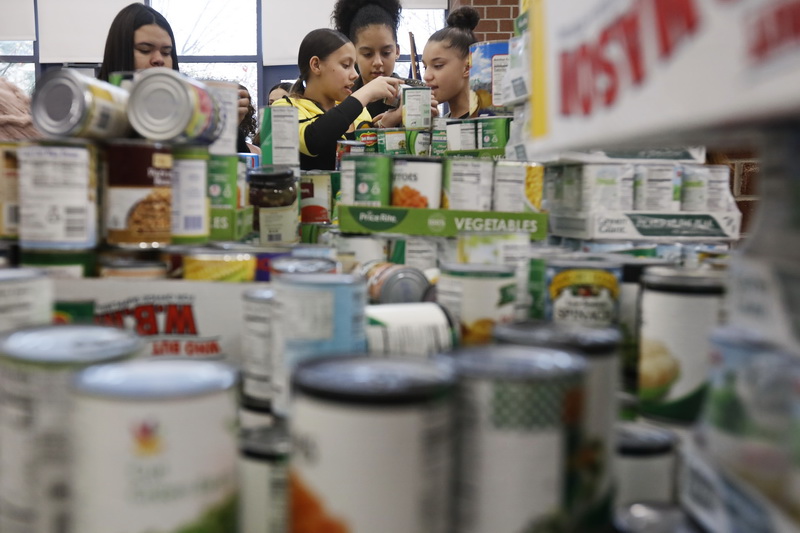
377,52
152,47
446,73
337,73
277,94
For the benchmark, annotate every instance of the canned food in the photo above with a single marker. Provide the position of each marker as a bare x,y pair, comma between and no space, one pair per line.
439,137
416,252
467,184
9,191
694,188
27,296
418,142
517,408
254,414
392,141
165,105
537,278
264,479
68,104
488,66
518,187
58,195
417,329
303,265
226,95
136,428
368,136
362,248
658,188
583,291
491,132
596,187
646,464
416,109
209,264
280,137
316,192
138,195
678,309
478,296
258,346
190,205
461,135
390,283
367,180
315,232
417,182
344,148
36,446
61,264
396,402
719,188
276,202
126,268
600,347
223,180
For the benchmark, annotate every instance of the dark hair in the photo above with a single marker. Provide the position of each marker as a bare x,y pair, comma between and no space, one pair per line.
321,43
458,33
285,85
118,54
249,124
352,16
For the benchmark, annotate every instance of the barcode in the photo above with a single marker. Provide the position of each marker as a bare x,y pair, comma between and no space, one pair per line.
193,222
102,121
75,222
518,85
426,122
272,237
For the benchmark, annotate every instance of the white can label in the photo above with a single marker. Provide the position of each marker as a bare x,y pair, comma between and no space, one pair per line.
413,329
57,196
509,188
278,225
348,181
227,96
416,107
417,184
280,136
257,339
694,189
190,207
719,190
26,303
470,185
155,466
657,188
263,503
478,303
307,314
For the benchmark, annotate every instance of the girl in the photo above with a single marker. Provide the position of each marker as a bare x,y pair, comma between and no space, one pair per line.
324,95
446,60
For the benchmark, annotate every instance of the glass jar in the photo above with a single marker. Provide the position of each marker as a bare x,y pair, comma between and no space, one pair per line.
276,212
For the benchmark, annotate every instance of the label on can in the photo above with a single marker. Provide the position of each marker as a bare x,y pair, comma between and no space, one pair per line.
418,142
416,107
719,188
413,329
279,225
27,301
263,505
583,295
9,192
694,188
373,176
461,135
205,121
223,180
392,141
107,117
58,196
280,136
316,198
368,136
417,184
439,141
492,132
518,187
190,206
234,268
467,184
417,252
227,96
258,348
657,188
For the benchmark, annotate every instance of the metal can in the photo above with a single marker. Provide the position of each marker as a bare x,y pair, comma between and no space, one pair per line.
226,95
518,187
58,184
264,480
657,188
126,268
584,291
517,409
9,191
467,184
138,194
405,407
478,296
461,135
678,309
258,346
190,205
439,137
345,147
596,187
264,255
414,329
416,108
165,105
223,180
36,448
491,132
367,180
136,430
417,182
303,265
63,264
418,252
68,104
274,196
363,248
368,136
392,141
315,232
694,188
646,464
316,193
537,278
280,136
418,142
719,188
27,296
601,348
388,283
209,264
254,414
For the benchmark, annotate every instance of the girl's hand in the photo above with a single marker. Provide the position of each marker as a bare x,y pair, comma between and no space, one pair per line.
244,102
434,108
378,89
390,119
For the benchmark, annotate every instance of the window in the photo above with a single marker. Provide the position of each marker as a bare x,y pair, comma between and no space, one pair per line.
422,23
18,63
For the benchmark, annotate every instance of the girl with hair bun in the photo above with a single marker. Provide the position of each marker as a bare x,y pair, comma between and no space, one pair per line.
446,60
328,104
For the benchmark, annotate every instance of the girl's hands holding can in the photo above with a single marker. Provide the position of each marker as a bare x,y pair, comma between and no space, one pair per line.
377,89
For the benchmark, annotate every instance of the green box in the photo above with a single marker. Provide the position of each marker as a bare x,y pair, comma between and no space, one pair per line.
438,222
223,172
229,224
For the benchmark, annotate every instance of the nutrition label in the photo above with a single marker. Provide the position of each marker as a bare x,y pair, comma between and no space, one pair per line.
307,314
278,225
284,140
189,203
470,185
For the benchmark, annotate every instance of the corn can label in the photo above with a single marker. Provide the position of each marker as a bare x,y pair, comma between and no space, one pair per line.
585,296
518,187
218,269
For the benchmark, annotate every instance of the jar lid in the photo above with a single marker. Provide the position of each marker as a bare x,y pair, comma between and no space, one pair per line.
588,341
640,440
271,175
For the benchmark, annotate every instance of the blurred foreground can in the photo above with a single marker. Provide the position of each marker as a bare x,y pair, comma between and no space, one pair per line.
399,477
27,298
36,449
9,191
159,440
414,329
467,184
258,347
388,283
61,264
209,264
263,478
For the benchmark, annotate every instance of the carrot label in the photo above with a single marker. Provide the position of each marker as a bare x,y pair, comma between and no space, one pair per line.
417,183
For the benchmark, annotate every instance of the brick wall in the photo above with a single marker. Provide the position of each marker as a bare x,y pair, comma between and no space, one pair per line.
497,17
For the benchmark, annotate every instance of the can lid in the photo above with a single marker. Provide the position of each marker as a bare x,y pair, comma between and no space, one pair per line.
517,363
160,106
69,344
652,517
259,295
303,265
387,381
160,379
476,271
59,102
271,174
633,267
588,341
679,279
640,440
267,442
404,285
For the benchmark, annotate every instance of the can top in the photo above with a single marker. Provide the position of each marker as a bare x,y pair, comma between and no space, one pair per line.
303,265
517,363
652,517
59,102
640,440
267,442
259,295
152,380
386,380
679,279
270,175
633,267
69,344
581,260
477,271
320,279
588,341
160,105
405,284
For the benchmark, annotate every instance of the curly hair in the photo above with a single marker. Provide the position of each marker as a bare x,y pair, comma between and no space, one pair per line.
249,124
352,16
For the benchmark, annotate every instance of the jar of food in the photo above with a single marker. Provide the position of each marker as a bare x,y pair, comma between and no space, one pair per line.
273,194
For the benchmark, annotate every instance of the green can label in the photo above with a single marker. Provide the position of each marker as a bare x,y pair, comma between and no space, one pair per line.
439,142
392,141
492,132
223,172
373,181
368,136
418,142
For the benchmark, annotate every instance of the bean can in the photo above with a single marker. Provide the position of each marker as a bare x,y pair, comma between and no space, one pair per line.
583,291
138,194
417,182
415,329
190,204
678,309
467,184
159,439
518,410
338,479
36,446
264,480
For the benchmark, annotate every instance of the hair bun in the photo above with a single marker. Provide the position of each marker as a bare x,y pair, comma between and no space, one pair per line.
464,17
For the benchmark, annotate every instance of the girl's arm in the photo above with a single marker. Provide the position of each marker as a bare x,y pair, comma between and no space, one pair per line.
323,131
